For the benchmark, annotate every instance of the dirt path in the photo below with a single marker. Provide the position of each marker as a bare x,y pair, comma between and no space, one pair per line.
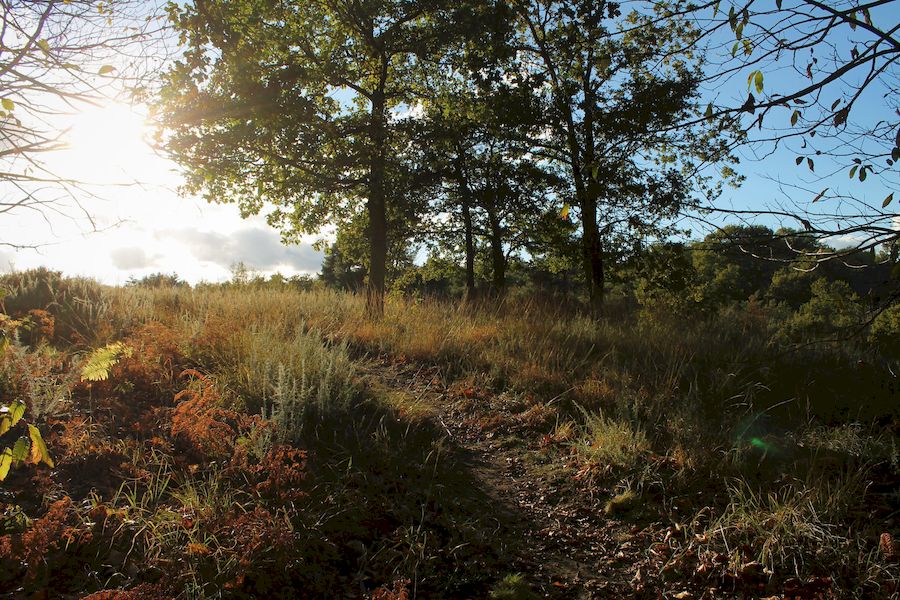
556,535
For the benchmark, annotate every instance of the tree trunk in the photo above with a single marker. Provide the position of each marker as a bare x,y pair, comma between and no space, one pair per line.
466,197
377,212
591,246
498,257
470,251
592,252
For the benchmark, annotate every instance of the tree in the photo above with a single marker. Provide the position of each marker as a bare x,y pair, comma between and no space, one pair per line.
615,94
297,105
58,56
480,129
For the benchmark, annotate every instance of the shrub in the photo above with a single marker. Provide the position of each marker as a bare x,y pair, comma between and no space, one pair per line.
78,305
792,287
832,308
885,332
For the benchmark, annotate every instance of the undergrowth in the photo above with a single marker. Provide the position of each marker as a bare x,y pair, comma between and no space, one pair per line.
238,448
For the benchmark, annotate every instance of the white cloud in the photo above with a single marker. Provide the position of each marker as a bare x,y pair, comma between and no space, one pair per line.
130,258
257,247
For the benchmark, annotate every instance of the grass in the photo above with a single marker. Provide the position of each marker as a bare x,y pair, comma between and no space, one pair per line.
327,466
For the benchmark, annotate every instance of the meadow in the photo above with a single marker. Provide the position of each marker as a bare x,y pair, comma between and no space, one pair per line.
245,441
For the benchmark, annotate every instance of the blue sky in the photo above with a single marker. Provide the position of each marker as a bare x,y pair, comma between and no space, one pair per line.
774,180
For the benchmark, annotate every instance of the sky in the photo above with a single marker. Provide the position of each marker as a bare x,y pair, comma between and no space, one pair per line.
142,225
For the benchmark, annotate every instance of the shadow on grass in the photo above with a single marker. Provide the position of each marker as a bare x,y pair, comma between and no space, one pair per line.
396,500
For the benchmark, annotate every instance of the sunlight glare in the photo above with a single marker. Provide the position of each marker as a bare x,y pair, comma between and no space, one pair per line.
108,141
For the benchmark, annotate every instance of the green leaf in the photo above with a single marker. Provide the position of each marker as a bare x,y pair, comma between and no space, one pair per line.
794,117
5,463
99,363
8,104
853,171
20,450
11,415
106,70
734,49
821,194
709,111
39,451
887,200
862,174
715,9
564,213
748,47
16,412
758,80
604,62
44,45
895,154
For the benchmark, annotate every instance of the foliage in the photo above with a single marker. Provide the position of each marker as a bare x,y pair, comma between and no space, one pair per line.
29,447
615,93
833,310
513,587
78,305
98,364
792,286
306,449
157,280
667,279
266,92
885,332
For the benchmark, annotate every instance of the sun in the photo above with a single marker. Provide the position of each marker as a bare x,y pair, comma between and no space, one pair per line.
108,142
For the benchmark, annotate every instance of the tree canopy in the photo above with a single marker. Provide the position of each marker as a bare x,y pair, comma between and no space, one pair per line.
522,130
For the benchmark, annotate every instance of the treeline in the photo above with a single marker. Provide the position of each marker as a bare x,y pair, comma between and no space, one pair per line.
731,265
806,291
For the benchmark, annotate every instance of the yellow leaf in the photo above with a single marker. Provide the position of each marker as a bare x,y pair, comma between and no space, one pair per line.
39,451
5,463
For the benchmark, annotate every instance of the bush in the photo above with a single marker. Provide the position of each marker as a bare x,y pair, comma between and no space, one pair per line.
78,305
885,332
832,308
791,287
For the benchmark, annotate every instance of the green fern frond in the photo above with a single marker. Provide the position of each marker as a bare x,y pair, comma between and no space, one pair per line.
102,360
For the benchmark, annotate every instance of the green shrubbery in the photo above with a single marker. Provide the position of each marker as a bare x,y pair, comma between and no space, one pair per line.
885,332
